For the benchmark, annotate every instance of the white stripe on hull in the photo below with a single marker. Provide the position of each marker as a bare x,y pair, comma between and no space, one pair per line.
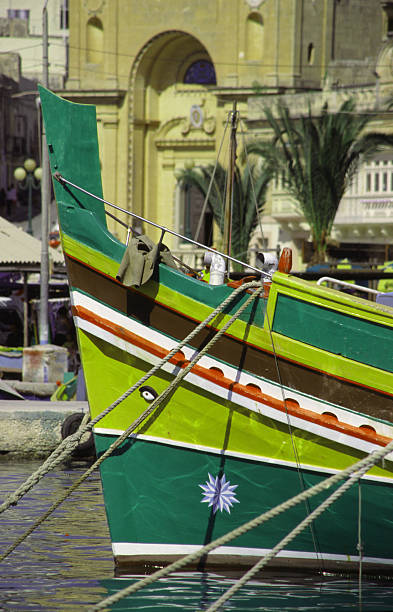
136,549
307,402
247,457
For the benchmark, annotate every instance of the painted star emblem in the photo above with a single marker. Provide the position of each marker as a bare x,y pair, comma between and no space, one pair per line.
219,493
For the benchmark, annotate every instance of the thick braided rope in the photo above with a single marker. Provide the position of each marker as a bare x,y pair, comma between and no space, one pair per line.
173,385
68,445
366,463
288,538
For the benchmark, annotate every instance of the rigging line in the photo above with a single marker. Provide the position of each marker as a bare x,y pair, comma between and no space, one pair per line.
294,447
259,217
205,203
228,215
147,412
63,181
178,62
353,472
65,448
136,233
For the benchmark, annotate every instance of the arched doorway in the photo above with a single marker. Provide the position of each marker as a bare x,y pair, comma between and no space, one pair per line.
171,122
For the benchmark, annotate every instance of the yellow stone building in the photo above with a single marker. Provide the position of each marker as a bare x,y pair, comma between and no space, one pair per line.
164,75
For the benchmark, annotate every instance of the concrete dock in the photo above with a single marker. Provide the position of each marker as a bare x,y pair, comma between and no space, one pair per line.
32,428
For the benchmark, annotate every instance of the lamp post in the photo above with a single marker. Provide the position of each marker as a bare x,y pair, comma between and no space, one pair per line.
45,194
31,175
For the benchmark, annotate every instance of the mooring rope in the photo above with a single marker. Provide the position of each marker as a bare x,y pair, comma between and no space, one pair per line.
287,539
357,470
293,440
360,547
68,445
173,385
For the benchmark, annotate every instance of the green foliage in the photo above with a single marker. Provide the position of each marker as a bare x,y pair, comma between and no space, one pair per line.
317,158
249,191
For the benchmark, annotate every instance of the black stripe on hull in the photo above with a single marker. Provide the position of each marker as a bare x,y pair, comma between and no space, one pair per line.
171,322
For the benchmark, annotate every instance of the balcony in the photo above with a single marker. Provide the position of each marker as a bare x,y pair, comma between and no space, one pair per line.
284,209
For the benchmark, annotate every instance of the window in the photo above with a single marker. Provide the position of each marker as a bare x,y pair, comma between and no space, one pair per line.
192,211
64,15
95,41
18,14
20,126
254,37
202,72
310,54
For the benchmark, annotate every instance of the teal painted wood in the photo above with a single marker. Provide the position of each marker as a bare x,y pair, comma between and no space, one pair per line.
207,295
212,295
152,495
336,332
73,151
71,134
71,131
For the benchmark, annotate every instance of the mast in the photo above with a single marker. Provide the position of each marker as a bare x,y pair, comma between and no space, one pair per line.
231,177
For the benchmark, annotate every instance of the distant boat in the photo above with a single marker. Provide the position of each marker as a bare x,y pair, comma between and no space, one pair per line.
298,388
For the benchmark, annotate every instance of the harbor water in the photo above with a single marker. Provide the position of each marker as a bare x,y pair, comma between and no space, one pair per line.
66,564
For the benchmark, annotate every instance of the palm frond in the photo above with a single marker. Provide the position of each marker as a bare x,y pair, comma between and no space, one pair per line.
318,156
248,196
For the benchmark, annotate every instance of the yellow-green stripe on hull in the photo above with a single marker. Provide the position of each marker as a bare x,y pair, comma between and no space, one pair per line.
194,416
143,532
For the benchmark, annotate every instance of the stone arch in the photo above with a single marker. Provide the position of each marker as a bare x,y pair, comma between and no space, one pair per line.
254,37
94,41
159,66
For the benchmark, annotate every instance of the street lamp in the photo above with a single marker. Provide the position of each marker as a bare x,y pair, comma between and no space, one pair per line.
32,177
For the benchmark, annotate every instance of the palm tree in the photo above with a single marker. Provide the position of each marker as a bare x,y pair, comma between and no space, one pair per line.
249,191
317,158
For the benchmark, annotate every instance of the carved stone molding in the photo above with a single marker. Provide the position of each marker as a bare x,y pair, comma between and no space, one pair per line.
93,7
254,4
198,122
179,133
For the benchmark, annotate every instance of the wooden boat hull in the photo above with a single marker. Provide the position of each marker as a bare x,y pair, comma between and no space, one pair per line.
298,388
214,425
149,533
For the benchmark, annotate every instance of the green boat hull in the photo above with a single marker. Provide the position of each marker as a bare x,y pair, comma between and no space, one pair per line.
156,512
299,387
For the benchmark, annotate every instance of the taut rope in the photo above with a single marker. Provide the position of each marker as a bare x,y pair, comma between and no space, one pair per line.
173,385
353,472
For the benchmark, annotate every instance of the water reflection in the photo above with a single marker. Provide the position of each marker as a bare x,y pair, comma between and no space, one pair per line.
58,566
198,592
67,563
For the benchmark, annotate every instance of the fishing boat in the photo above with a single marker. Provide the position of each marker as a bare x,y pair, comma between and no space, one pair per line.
290,388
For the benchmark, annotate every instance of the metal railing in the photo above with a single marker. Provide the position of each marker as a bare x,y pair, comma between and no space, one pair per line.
346,284
163,229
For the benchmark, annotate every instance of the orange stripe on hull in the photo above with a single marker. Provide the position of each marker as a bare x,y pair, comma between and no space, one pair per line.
252,392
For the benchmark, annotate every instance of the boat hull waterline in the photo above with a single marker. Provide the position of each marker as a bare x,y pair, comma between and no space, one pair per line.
298,388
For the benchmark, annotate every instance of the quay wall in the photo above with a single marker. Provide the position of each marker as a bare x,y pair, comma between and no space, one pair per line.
32,429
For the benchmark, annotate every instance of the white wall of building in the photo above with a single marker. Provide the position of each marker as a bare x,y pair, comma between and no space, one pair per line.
21,32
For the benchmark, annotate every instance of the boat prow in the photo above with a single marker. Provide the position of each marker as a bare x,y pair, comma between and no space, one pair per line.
282,389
